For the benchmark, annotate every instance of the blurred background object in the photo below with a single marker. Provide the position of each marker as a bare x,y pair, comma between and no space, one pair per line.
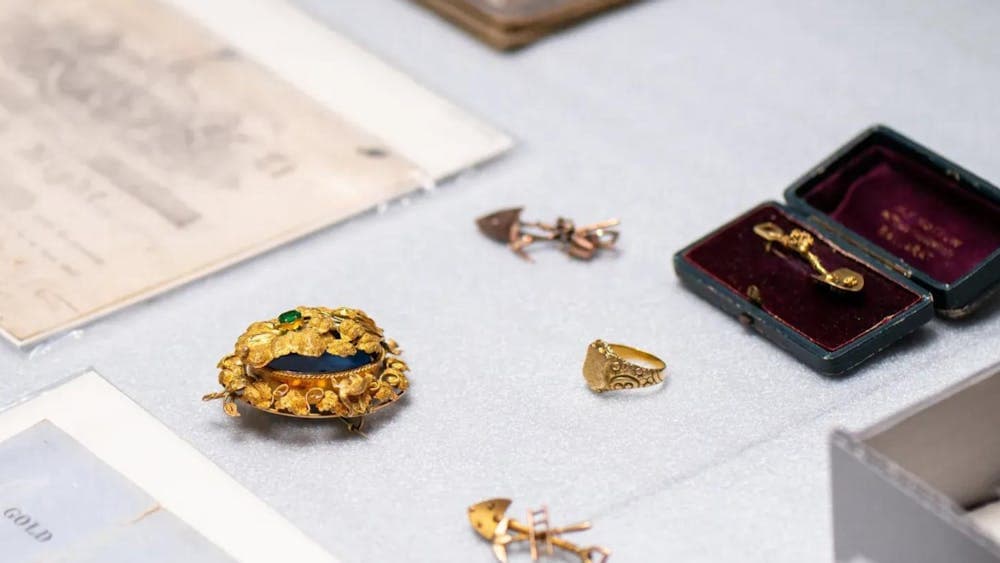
510,24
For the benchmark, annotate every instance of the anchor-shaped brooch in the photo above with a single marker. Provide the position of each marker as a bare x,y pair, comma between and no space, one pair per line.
583,242
489,519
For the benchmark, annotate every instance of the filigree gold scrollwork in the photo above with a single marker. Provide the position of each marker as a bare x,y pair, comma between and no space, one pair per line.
634,377
312,331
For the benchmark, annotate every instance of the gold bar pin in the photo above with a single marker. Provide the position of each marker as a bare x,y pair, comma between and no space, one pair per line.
801,242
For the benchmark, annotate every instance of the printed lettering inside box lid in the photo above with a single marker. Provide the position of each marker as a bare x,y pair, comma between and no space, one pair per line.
888,195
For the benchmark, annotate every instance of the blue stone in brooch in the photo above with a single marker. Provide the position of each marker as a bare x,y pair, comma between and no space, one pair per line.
327,363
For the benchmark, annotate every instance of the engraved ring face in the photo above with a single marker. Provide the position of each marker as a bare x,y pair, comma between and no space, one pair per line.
610,367
313,362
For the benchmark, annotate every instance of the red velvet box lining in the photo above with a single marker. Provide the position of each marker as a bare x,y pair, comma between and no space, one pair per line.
736,257
920,214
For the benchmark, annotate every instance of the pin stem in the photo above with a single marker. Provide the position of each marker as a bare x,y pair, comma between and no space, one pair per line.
551,536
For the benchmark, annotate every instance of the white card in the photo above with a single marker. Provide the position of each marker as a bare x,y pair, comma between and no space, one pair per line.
86,473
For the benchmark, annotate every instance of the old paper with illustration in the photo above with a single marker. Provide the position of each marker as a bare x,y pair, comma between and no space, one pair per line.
140,152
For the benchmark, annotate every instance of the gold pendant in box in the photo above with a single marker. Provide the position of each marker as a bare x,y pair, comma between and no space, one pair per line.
313,362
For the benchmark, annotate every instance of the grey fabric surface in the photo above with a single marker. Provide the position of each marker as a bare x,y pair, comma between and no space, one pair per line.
674,115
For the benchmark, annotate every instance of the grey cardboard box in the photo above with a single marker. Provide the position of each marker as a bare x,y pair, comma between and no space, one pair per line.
902,489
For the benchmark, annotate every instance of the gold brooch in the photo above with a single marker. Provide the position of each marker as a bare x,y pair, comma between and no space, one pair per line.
801,242
490,521
583,242
313,362
610,367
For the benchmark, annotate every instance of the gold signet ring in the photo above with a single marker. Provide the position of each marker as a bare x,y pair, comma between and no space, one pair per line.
611,367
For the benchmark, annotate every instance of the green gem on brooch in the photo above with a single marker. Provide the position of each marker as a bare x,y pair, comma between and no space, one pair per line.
289,320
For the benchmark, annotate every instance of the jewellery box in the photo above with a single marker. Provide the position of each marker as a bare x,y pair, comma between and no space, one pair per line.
922,486
923,232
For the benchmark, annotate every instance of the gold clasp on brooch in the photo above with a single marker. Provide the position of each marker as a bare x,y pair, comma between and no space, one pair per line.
801,242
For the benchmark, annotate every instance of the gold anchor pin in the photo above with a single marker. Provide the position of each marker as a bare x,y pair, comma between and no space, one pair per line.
800,242
583,242
489,519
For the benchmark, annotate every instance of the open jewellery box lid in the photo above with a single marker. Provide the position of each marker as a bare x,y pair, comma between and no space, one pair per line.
918,213
924,233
